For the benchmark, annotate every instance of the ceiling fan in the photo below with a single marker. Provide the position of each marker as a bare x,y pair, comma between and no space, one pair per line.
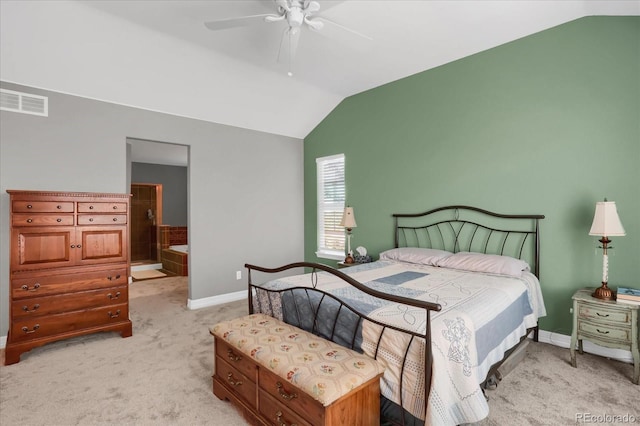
296,14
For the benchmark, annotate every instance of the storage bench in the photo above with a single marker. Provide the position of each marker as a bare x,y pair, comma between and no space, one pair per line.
279,374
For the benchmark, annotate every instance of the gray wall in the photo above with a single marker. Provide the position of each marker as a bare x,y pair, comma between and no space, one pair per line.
245,187
174,189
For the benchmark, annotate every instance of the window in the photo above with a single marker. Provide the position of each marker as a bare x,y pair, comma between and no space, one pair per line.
331,197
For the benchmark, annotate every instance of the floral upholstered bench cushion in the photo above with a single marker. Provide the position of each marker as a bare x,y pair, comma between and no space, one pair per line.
321,368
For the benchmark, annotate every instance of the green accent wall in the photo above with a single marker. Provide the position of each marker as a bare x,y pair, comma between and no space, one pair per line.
546,124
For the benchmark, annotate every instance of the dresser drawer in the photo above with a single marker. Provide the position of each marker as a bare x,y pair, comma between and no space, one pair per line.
240,384
20,206
46,285
276,412
103,219
98,207
236,359
291,397
47,305
604,331
34,328
25,219
604,313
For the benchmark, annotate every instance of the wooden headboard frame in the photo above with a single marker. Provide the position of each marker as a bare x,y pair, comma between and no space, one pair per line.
452,231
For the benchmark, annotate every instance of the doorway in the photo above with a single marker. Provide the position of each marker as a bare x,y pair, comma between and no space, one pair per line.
146,215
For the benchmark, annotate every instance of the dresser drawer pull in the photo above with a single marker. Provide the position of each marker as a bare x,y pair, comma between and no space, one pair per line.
29,206
58,207
111,296
27,331
110,278
29,220
279,421
58,220
115,207
90,207
600,315
115,219
232,381
602,332
90,219
116,315
35,308
232,356
286,396
36,286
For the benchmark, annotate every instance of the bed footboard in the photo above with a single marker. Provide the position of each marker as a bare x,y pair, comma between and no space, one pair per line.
327,316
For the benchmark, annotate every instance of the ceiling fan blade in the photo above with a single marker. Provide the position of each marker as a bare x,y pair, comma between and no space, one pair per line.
341,27
289,47
223,24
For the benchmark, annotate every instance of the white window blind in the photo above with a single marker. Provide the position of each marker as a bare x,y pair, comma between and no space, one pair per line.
331,199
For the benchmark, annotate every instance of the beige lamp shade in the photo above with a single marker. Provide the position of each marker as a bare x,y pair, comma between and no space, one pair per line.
606,221
348,218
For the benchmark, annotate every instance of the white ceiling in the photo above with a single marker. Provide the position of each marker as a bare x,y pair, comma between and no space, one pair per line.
158,55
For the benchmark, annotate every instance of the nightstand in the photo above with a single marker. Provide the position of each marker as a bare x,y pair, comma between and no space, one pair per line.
605,323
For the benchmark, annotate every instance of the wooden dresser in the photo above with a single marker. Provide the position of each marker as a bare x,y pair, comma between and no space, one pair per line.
69,267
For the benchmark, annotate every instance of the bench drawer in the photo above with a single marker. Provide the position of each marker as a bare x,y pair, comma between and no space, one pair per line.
274,411
236,359
291,397
238,383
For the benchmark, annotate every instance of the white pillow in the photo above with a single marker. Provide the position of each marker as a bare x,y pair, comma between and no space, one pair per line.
491,263
422,256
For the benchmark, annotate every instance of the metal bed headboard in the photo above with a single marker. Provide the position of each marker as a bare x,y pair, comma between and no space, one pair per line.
457,228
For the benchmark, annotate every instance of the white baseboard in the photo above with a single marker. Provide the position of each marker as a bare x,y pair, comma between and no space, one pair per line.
564,341
555,339
216,300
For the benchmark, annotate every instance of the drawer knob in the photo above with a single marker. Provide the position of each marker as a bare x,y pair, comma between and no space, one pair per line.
58,220
232,356
232,381
115,219
115,207
35,287
112,315
116,296
35,308
279,420
29,220
90,207
58,207
284,394
110,278
29,206
90,219
33,330
602,332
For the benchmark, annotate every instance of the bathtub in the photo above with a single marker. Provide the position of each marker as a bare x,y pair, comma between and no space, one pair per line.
183,248
176,259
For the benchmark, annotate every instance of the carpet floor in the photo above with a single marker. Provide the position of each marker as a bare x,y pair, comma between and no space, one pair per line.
162,375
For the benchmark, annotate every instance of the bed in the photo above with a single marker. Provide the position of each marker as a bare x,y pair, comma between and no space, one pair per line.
441,310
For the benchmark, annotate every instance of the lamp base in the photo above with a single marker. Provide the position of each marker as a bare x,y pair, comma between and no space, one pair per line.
603,293
349,259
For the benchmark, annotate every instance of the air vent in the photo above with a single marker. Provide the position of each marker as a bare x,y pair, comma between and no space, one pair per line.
25,103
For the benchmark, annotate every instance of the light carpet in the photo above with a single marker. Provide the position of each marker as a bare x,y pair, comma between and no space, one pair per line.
162,375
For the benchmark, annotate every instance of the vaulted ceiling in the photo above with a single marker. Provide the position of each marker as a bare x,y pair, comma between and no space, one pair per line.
160,56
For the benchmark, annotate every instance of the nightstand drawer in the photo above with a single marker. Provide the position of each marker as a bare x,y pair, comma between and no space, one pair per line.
603,331
604,313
